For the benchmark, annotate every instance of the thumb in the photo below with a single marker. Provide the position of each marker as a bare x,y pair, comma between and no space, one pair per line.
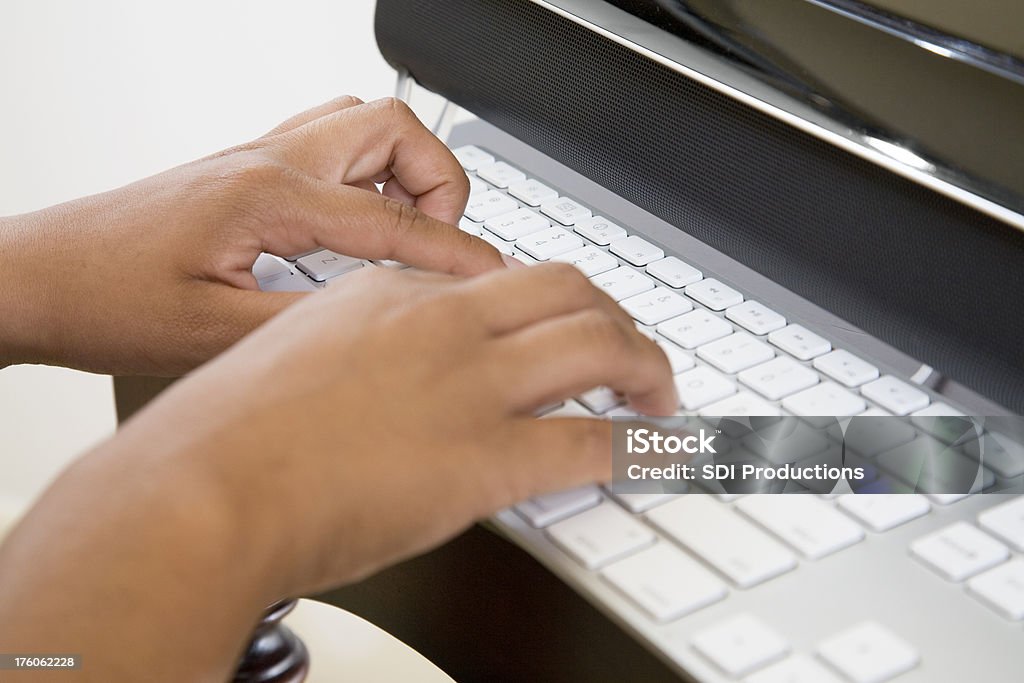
368,225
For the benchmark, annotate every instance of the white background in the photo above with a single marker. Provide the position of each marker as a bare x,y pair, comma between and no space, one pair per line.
96,94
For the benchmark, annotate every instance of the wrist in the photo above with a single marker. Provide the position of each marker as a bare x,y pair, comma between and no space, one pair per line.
30,300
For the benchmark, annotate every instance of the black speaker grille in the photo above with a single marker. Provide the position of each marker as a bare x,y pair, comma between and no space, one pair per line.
934,278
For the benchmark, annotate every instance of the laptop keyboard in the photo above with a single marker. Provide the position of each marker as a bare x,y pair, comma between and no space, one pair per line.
673,555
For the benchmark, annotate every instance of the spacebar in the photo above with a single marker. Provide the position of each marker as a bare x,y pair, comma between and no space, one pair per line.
743,553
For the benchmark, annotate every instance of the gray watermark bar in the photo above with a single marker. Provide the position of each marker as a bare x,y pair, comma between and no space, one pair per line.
936,455
39,661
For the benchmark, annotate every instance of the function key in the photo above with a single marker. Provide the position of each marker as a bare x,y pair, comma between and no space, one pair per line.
798,341
472,157
714,294
843,366
637,250
500,174
532,192
564,210
599,230
674,272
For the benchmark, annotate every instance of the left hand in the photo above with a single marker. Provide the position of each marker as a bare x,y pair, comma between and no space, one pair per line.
154,278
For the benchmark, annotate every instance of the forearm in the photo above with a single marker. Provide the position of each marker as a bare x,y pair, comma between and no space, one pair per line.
133,550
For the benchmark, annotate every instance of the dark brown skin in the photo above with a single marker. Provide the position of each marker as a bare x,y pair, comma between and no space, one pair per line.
380,417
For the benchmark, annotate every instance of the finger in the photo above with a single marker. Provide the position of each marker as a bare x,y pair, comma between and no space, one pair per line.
335,105
383,136
552,455
393,189
309,213
512,299
565,356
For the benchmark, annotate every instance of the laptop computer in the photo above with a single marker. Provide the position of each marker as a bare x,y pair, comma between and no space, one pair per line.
815,209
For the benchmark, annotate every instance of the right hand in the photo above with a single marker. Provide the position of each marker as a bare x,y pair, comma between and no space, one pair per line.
381,418
360,426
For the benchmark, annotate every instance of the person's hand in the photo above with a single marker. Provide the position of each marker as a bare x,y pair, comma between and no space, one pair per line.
360,426
154,278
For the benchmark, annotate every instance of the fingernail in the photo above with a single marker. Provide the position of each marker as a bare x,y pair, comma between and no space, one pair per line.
512,261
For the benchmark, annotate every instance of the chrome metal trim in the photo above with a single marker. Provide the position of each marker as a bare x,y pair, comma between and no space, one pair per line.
697,64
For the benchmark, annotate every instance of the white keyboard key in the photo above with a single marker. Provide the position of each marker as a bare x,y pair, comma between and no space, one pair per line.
501,245
532,192
695,329
515,224
544,510
808,524
622,283
469,226
648,332
471,157
599,230
638,503
870,436
1006,521
743,553
500,174
636,250
755,317
564,210
1000,453
268,268
959,551
569,409
884,511
825,399
742,404
1002,588
869,653
476,186
845,367
289,283
736,352
656,305
714,294
701,386
525,259
590,261
779,378
936,469
677,358
740,645
947,430
798,341
488,205
674,272
795,669
945,498
325,264
895,395
296,257
600,535
390,263
548,243
600,400
665,582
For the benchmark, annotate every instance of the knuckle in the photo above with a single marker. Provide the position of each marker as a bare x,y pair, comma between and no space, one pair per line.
394,107
348,100
568,279
402,218
604,332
